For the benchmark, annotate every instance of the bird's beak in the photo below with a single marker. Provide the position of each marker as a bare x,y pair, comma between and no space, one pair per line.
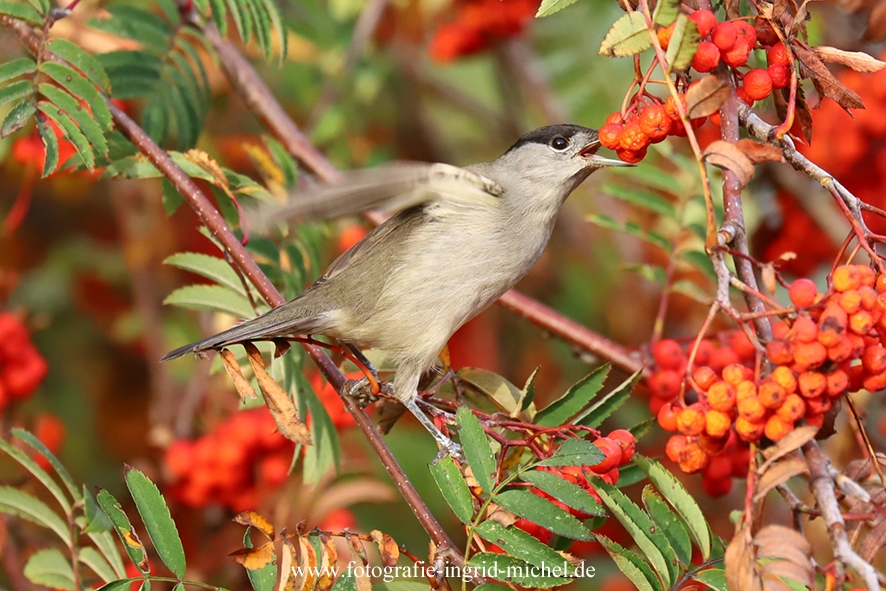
589,153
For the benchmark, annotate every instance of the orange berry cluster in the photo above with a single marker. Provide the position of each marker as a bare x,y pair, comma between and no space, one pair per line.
833,346
729,42
22,367
237,463
478,25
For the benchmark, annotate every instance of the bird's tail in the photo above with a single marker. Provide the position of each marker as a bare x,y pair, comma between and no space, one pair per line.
279,322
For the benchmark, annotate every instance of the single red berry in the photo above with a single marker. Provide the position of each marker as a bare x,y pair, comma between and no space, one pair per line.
626,440
706,58
781,75
746,30
655,123
737,55
612,451
671,107
610,135
705,20
614,118
668,354
724,35
664,35
633,138
631,156
765,33
743,95
758,84
778,54
803,292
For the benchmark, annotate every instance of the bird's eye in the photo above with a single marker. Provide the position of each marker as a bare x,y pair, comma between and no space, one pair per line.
559,143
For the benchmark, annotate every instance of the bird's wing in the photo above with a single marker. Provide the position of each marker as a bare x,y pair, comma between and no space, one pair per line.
389,188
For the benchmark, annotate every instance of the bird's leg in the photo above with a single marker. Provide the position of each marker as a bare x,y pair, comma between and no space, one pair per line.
364,361
447,446
369,387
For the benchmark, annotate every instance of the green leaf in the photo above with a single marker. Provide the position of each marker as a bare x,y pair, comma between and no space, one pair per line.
15,91
549,7
629,474
643,531
700,261
544,513
575,452
21,504
714,578
82,60
139,25
519,544
631,565
31,440
652,273
242,19
273,12
214,268
666,12
41,6
324,454
477,448
565,491
610,223
627,36
78,113
680,500
81,88
683,44
601,410
669,524
645,199
262,26
691,290
494,388
284,160
50,569
91,558
513,570
133,546
24,12
50,147
71,132
120,584
211,297
17,118
39,473
576,398
346,580
454,489
220,16
155,515
96,520
261,579
15,68
642,429
104,541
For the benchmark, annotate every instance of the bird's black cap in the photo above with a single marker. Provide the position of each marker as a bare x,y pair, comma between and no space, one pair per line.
543,135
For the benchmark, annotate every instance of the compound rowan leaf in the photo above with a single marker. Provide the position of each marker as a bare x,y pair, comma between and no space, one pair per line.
577,397
627,36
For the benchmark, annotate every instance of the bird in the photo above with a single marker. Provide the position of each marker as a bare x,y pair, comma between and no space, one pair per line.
461,239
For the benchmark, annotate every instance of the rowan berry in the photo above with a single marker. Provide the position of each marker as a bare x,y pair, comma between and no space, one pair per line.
746,30
846,277
780,351
667,416
858,344
612,451
664,35
861,322
792,410
675,446
630,156
737,55
784,377
804,330
771,395
723,357
744,390
802,293
716,488
778,54
632,137
615,118
628,443
655,123
874,359
713,445
819,405
703,355
874,383
665,383
866,275
705,20
812,384
752,409
706,57
810,354
765,33
724,35
610,135
533,529
776,428
717,423
780,76
736,373
610,477
868,297
849,301
692,458
671,106
749,430
704,377
691,421
743,347
743,95
718,468
758,84
721,396
838,383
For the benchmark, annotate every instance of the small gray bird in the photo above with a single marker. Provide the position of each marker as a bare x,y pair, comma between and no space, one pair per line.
463,238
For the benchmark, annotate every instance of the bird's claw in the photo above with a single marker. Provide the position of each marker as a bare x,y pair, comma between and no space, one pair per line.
361,390
451,449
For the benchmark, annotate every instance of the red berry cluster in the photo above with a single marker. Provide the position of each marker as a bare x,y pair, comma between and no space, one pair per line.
478,24
834,345
242,459
22,368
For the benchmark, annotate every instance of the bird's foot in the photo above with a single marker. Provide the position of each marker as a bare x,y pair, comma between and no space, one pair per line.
447,446
361,390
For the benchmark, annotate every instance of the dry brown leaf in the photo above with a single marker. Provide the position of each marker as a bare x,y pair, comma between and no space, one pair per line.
278,401
387,547
790,442
758,152
706,97
732,9
741,569
500,515
773,535
767,274
800,15
330,559
207,163
284,569
242,385
357,550
783,550
786,570
857,60
779,474
779,7
726,155
825,82
872,542
254,558
307,557
253,519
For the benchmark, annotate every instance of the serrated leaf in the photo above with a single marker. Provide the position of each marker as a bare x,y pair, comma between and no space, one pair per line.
41,6
50,568
700,261
262,26
81,59
632,228
544,513
273,12
242,19
645,199
17,118
666,12
211,297
214,268
21,11
78,114
121,585
575,452
155,515
220,16
454,489
602,409
519,544
15,91
91,558
133,546
104,541
15,68
577,397
513,570
714,578
627,36
476,446
283,160
21,504
563,490
496,389
651,541
631,565
683,45
137,24
80,87
31,440
641,429
549,7
261,579
680,500
39,473
71,132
